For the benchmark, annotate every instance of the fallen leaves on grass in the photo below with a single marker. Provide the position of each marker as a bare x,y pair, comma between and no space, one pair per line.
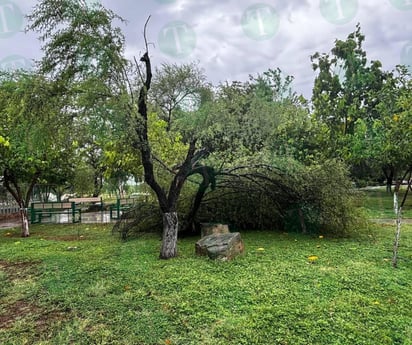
312,258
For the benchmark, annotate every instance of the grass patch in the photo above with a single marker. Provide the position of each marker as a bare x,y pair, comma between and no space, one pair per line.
378,203
59,288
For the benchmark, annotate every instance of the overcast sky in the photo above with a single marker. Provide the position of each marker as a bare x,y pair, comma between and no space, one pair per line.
234,38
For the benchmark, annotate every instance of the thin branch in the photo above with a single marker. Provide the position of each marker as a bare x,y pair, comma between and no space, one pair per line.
144,34
146,49
254,166
129,85
407,189
158,160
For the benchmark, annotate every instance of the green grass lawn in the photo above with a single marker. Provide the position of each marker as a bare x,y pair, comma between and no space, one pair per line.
58,288
379,204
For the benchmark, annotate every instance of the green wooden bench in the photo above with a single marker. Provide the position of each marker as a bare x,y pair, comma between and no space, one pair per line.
121,205
40,210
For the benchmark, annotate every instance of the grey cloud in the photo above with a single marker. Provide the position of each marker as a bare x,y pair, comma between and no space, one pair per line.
226,53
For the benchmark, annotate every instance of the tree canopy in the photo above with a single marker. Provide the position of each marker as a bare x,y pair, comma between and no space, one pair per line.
34,136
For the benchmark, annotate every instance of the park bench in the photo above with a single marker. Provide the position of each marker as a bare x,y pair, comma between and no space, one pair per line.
85,203
121,205
40,210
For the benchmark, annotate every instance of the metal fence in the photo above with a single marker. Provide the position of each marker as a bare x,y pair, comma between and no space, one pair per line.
8,207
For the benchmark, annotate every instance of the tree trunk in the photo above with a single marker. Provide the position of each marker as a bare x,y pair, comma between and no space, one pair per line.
397,237
208,174
398,212
389,173
169,240
24,222
97,184
302,221
12,186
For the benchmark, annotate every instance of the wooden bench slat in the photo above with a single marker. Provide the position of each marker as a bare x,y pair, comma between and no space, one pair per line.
52,205
91,199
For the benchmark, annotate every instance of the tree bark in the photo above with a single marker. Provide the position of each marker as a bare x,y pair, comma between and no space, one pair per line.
169,240
12,186
398,212
208,178
24,216
389,173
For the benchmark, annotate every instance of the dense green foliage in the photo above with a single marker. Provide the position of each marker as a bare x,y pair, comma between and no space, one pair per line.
363,111
32,128
83,56
35,138
95,289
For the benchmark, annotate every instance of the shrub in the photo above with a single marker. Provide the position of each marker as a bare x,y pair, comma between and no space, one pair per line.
328,199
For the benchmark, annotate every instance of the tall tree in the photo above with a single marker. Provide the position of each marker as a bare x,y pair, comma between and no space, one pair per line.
354,100
81,44
384,142
84,54
345,89
34,136
167,199
176,87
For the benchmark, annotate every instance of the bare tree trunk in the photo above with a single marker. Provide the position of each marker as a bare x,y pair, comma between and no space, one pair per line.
24,222
169,240
13,187
167,200
397,237
208,178
398,212
389,173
